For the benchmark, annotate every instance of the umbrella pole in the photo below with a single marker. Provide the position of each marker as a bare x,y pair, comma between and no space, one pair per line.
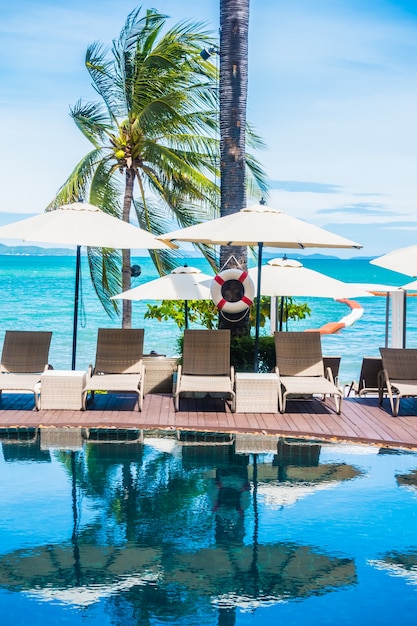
258,309
281,313
75,322
186,313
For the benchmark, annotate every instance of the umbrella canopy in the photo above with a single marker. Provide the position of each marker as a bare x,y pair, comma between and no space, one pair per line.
260,225
410,286
81,224
402,260
287,277
183,283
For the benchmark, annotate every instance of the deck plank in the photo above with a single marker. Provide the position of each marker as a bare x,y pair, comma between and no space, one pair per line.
362,419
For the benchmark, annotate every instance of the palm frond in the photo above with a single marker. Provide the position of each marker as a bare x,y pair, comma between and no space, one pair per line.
105,190
77,184
92,121
106,276
255,177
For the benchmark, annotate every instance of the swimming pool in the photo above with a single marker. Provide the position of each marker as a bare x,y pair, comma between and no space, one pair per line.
126,527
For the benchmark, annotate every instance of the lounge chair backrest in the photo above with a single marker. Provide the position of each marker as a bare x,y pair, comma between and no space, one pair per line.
400,363
206,352
368,377
299,353
25,351
119,350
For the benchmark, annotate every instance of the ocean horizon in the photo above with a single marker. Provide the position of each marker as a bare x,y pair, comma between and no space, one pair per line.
38,294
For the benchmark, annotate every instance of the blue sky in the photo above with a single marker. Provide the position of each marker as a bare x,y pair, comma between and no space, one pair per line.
332,90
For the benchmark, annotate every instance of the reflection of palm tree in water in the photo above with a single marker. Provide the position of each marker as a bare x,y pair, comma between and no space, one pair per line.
232,484
233,489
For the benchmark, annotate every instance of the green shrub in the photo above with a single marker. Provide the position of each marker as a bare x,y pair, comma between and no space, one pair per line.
242,353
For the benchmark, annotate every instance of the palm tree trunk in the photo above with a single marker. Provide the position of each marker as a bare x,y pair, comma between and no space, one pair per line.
126,273
234,26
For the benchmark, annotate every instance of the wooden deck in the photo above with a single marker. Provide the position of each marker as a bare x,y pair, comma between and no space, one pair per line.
361,421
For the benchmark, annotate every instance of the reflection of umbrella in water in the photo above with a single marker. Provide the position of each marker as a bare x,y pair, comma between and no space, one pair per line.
399,564
408,480
183,283
52,572
296,473
257,574
80,224
280,571
294,483
260,226
81,571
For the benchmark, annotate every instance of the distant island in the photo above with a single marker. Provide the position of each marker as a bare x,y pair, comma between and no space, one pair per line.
39,251
34,251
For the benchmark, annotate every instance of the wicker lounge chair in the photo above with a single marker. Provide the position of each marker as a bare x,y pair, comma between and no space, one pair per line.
24,357
368,377
399,376
119,363
206,365
300,368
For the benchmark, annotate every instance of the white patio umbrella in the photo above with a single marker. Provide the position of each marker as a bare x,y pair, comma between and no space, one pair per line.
183,283
401,260
260,225
288,277
81,224
284,277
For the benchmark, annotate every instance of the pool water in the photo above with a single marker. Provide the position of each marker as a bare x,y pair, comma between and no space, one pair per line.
149,528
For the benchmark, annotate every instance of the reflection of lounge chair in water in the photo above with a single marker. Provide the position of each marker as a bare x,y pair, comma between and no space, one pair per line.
23,444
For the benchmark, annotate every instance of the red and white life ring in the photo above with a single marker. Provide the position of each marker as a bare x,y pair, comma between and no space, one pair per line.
219,294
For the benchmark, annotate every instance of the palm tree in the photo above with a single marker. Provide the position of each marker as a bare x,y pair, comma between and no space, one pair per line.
234,26
156,127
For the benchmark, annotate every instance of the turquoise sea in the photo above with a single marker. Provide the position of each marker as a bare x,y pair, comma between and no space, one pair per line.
37,293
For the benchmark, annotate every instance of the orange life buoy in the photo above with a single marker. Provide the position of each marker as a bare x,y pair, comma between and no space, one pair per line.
232,291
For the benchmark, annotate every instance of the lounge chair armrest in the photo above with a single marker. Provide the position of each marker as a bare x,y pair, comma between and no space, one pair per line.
90,371
232,376
179,373
329,375
47,367
384,381
276,371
